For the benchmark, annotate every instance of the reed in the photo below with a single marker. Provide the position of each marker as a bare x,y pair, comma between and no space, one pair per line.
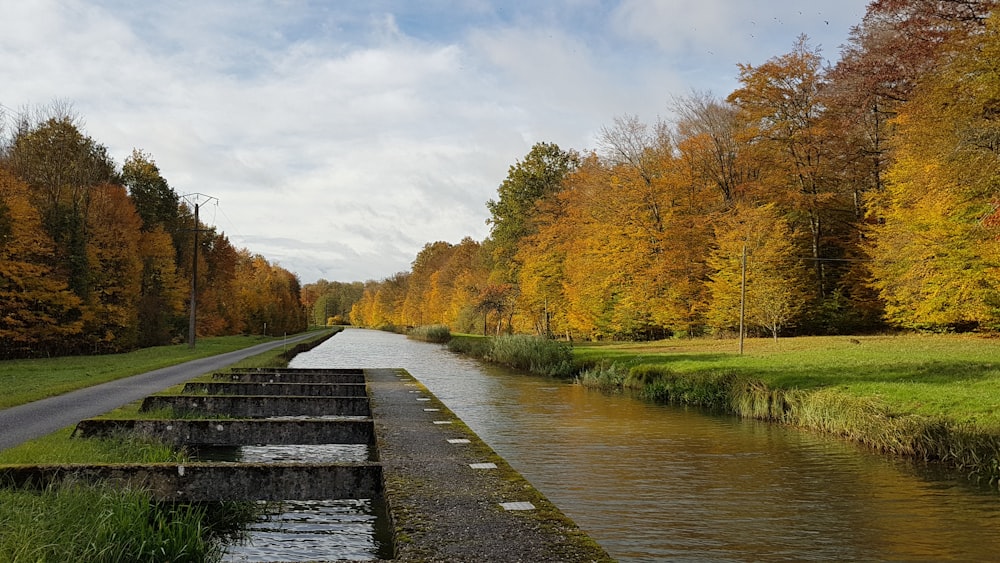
122,525
439,334
534,354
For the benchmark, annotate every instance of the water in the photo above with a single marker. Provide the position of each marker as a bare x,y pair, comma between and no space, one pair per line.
653,483
311,530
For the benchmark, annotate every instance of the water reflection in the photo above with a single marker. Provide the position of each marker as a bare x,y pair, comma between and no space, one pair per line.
285,453
307,530
655,483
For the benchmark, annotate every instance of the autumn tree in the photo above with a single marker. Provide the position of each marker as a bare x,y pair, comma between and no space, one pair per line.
161,294
62,166
113,253
936,248
38,312
775,294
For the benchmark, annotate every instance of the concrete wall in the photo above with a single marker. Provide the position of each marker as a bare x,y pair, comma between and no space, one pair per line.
238,406
235,432
281,389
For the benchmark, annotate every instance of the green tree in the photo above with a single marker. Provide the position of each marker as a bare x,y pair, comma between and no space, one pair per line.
512,213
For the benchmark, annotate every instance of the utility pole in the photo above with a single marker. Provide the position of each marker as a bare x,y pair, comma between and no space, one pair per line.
194,265
743,295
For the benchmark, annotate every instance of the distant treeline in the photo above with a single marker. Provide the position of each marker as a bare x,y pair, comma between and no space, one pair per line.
97,258
850,198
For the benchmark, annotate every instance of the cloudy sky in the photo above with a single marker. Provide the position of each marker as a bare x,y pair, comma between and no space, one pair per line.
340,136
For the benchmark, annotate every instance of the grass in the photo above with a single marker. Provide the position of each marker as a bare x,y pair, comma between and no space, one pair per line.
24,381
935,398
953,376
59,448
122,525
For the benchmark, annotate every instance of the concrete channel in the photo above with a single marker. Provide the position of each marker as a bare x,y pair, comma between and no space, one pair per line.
447,495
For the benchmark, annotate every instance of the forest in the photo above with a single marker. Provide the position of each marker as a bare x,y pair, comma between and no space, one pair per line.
97,258
857,196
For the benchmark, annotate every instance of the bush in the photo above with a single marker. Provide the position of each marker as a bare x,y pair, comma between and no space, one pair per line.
605,375
440,334
534,354
475,346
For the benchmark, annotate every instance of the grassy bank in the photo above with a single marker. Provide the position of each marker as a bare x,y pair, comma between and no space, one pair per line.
930,397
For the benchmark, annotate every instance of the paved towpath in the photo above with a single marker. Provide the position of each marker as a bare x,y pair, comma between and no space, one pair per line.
32,420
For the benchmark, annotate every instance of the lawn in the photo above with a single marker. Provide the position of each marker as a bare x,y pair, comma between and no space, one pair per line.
24,381
955,376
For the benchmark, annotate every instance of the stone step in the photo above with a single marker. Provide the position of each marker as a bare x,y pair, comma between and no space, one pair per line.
215,481
241,406
278,389
225,432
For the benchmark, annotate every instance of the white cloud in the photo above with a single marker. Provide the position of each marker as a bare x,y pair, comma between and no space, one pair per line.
340,137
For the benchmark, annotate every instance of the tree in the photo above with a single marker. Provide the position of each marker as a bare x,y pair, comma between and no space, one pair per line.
155,201
511,214
113,242
935,250
774,274
38,312
62,166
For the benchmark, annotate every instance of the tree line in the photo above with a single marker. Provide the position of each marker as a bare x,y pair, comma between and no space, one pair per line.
97,258
821,198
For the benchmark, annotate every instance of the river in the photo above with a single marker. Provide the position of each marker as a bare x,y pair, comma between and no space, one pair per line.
656,483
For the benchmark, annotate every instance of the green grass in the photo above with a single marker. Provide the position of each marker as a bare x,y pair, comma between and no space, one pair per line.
24,381
122,525
953,376
59,448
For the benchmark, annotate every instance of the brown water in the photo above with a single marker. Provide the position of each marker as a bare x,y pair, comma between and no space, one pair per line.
655,483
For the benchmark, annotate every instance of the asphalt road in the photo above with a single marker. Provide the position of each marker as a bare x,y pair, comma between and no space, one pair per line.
32,420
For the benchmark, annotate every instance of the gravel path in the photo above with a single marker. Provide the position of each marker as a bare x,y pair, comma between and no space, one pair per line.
32,420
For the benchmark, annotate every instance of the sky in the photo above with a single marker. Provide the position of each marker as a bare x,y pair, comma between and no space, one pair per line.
337,137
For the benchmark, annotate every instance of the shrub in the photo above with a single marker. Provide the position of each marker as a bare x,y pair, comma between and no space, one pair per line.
534,354
605,375
431,333
475,346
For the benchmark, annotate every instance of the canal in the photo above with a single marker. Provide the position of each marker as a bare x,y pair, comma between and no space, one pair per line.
655,483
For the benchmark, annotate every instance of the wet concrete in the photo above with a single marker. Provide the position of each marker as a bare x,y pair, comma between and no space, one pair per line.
299,376
216,481
278,389
235,432
238,406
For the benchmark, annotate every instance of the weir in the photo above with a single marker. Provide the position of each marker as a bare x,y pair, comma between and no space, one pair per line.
281,389
447,495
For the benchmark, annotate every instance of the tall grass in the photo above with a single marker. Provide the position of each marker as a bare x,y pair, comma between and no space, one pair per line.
440,334
531,353
74,522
